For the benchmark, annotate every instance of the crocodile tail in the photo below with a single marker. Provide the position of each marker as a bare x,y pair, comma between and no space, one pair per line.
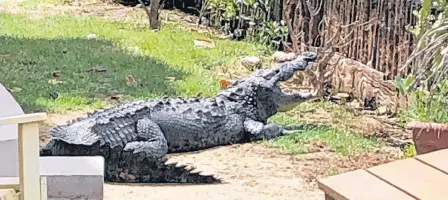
139,168
179,173
47,150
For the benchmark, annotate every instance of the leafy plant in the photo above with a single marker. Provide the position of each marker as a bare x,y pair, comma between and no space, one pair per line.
216,10
428,61
428,106
427,83
271,34
252,15
404,86
408,151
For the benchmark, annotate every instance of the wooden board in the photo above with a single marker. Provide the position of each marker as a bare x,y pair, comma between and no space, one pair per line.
9,182
360,185
29,172
8,194
436,159
415,178
27,118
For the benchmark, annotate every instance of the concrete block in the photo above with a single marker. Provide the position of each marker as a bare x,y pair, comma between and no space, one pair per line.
73,178
68,178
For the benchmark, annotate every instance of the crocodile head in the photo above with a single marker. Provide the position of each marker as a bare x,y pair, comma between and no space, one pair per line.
261,89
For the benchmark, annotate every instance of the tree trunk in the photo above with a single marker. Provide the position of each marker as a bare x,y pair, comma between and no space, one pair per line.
154,22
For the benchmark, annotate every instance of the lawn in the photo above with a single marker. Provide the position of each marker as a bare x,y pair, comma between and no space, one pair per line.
46,62
139,63
327,136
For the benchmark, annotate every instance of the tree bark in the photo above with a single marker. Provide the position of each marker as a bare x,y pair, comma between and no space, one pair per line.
154,22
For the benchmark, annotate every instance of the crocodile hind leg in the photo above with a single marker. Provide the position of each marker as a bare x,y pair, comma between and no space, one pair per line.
150,140
259,131
144,160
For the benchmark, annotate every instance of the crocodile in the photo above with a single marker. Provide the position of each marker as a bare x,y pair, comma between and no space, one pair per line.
135,137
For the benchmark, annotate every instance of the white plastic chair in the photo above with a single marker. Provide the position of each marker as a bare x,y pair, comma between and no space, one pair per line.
19,150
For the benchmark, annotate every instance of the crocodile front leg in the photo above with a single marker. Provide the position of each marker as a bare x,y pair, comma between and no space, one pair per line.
259,131
150,140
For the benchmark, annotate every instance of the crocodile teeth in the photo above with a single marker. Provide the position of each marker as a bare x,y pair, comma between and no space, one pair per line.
180,165
206,174
195,171
190,168
170,162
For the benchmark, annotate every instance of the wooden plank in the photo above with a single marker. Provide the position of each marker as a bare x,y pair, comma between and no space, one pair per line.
360,185
9,182
8,194
29,173
414,177
27,118
436,159
43,188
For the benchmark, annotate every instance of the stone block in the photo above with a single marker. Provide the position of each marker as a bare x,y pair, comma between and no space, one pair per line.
73,178
68,178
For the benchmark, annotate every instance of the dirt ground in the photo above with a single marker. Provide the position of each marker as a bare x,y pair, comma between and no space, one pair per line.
250,171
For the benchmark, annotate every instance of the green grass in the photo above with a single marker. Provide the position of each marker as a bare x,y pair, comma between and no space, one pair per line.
32,49
342,142
339,140
409,151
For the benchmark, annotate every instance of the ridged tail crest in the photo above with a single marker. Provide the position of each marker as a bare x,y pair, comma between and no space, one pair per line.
179,173
47,150
140,168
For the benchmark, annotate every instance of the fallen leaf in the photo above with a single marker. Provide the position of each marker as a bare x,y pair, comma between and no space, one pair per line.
130,80
171,79
28,62
56,74
54,81
224,84
114,96
14,89
202,42
97,69
53,95
91,36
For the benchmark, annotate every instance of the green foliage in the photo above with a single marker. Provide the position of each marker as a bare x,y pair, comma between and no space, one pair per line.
427,85
162,63
255,12
218,10
404,86
427,106
422,19
428,60
271,34
408,151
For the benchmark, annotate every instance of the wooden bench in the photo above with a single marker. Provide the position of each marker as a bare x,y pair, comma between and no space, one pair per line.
424,177
28,184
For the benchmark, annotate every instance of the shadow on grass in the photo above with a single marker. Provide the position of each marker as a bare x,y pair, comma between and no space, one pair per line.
30,64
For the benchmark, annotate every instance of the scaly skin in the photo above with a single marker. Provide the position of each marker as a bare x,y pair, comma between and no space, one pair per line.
134,138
